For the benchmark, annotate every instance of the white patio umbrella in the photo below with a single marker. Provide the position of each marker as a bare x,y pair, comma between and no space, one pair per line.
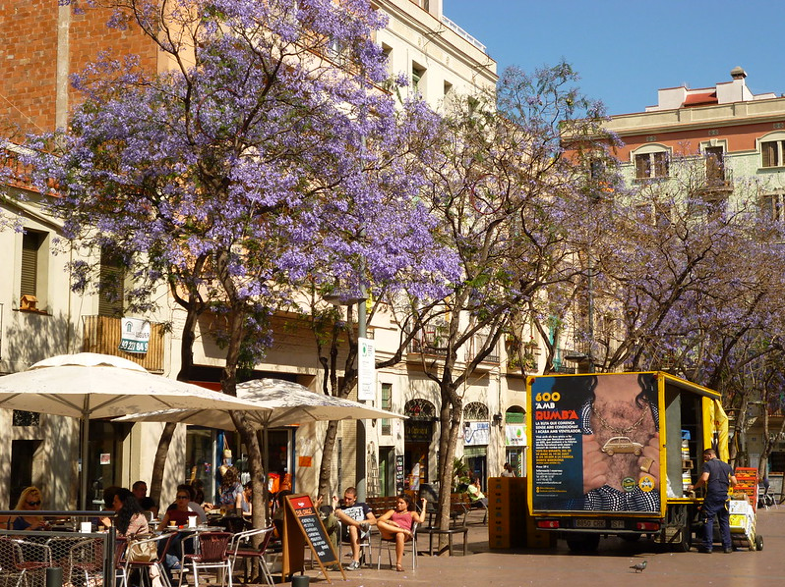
286,404
92,386
281,403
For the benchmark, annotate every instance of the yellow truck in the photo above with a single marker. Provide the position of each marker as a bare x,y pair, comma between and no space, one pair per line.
613,454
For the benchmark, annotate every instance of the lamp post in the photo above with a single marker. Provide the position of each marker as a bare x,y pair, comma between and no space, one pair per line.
337,299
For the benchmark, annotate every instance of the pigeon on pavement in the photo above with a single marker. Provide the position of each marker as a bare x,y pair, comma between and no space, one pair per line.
639,567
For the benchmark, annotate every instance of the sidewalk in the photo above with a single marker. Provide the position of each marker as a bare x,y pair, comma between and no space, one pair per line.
554,567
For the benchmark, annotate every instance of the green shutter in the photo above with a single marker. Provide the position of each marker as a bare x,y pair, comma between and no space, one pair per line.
30,244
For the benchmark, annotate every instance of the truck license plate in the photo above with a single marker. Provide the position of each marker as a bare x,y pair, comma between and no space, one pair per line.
589,523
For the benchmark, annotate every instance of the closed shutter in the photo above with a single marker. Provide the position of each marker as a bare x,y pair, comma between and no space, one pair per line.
769,151
661,164
642,166
111,285
30,245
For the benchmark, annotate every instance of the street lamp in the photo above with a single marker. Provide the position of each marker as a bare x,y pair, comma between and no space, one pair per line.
338,299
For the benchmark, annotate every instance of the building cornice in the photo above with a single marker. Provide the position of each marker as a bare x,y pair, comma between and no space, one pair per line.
688,119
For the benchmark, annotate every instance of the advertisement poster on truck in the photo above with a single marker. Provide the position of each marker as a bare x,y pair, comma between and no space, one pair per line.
595,443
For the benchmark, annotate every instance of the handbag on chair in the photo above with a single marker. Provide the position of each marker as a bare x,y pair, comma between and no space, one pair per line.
141,549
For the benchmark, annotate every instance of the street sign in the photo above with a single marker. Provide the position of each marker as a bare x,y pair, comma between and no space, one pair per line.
366,370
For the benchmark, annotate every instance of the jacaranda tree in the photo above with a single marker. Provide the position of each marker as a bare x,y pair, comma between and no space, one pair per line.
262,159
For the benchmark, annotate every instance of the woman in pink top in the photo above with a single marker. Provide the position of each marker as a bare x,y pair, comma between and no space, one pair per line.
397,524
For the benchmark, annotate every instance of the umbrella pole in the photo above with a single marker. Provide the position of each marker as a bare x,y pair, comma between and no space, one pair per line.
84,472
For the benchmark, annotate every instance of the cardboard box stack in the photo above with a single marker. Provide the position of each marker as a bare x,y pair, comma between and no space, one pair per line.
747,483
509,525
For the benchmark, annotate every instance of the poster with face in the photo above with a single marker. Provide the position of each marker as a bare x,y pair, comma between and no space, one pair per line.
595,443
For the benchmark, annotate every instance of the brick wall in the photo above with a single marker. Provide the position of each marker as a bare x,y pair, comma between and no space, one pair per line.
28,57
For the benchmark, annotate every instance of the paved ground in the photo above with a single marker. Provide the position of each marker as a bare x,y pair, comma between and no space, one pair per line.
610,565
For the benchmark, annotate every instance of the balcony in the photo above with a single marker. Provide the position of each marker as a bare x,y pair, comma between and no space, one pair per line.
102,334
718,179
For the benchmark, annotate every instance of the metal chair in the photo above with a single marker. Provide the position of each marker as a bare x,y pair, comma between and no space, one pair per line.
10,576
86,557
241,546
146,566
212,553
32,559
118,562
366,547
390,542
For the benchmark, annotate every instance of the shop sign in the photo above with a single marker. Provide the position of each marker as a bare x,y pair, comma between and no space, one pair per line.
135,335
476,433
417,431
515,435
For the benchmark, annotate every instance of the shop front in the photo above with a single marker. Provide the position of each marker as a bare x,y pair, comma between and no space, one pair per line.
418,436
476,436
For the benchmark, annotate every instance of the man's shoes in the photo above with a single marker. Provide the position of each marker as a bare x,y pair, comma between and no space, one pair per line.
704,550
353,566
727,550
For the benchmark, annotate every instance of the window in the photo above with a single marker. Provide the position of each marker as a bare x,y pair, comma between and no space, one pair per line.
772,153
35,262
715,164
418,73
651,165
773,206
110,296
386,405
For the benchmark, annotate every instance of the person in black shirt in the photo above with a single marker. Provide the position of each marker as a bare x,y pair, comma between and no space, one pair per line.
717,476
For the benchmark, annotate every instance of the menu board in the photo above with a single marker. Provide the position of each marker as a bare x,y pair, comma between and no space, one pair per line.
300,514
399,473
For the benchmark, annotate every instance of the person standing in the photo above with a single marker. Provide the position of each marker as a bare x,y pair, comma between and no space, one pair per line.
717,476
508,472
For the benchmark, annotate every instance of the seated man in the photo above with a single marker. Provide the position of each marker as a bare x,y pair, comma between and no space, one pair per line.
356,519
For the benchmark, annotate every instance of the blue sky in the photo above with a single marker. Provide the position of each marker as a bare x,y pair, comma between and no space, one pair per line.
625,51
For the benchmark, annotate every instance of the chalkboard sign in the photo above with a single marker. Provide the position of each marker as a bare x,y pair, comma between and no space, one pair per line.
300,514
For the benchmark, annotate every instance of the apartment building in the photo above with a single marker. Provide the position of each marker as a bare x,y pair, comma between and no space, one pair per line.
737,135
730,141
40,316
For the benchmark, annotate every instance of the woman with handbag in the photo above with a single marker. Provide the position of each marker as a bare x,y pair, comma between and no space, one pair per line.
131,523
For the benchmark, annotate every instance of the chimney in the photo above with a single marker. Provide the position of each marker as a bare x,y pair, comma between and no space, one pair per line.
738,73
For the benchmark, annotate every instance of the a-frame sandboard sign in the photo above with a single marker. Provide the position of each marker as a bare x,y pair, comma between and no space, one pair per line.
301,525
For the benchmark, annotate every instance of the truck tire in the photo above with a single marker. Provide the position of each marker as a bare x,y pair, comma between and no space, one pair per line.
584,543
758,542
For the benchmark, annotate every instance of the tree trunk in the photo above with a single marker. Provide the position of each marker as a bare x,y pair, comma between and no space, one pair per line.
326,467
193,311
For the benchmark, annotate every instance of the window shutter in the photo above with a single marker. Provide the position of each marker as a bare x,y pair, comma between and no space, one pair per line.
642,166
29,282
111,285
661,164
769,152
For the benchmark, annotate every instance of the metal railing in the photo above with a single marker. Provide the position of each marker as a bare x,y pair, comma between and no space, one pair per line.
51,557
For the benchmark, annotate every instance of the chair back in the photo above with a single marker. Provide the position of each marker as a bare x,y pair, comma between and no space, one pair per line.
244,540
213,546
119,551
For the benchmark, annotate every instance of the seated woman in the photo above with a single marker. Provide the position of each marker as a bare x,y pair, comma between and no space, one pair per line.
476,496
131,521
396,524
179,512
29,502
243,502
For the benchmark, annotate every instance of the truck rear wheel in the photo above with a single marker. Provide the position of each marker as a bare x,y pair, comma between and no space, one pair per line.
584,543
